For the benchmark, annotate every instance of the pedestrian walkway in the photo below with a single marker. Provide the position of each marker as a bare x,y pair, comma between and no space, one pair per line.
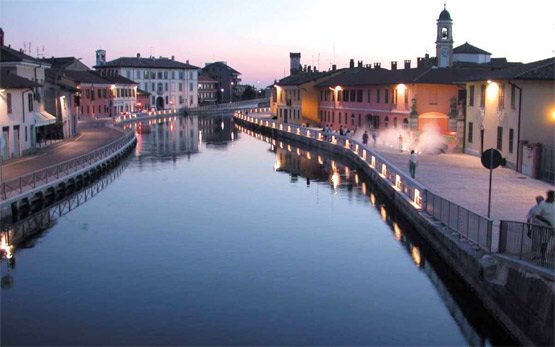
462,179
89,139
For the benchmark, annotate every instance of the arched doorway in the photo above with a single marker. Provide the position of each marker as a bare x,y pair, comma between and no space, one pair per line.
160,103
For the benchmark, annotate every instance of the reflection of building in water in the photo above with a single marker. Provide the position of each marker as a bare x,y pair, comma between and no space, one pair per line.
216,130
299,163
171,137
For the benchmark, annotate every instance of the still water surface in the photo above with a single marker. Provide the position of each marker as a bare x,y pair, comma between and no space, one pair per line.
215,237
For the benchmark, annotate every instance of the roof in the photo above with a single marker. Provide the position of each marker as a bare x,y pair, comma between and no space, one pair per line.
204,78
444,15
424,75
140,91
467,48
221,64
151,62
63,62
9,80
119,79
86,77
56,76
8,54
304,77
537,70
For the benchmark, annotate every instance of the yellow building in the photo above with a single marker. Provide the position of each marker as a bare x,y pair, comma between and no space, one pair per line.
513,110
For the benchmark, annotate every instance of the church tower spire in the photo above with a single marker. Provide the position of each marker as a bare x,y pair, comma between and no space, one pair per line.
444,40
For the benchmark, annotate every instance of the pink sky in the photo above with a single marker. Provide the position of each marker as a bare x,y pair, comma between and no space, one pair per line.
256,36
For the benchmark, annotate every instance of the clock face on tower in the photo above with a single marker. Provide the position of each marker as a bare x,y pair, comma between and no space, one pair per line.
444,52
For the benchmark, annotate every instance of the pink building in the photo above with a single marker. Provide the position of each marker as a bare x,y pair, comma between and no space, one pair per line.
104,96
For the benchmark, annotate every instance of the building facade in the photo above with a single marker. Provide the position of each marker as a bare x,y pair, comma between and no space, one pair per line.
207,90
227,78
171,84
513,111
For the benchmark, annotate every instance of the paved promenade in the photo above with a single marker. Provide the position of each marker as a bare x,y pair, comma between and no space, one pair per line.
462,179
89,139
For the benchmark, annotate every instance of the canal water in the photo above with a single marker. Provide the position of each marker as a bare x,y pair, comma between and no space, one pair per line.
210,234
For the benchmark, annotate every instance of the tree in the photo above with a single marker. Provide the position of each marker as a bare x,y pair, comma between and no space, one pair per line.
249,93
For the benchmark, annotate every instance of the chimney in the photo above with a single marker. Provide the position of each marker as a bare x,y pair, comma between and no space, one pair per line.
294,63
351,64
1,37
419,62
427,57
407,64
187,61
368,66
359,63
173,57
377,65
138,55
333,67
309,68
393,66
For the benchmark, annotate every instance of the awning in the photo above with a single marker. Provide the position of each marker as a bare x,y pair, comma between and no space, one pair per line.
43,118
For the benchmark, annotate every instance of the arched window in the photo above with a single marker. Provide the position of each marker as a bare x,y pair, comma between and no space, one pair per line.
386,121
405,123
352,119
395,122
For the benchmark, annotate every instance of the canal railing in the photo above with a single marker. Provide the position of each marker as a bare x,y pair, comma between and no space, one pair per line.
529,242
467,225
28,182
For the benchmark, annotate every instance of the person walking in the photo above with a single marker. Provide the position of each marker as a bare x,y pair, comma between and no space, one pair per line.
374,136
534,230
546,215
365,138
413,161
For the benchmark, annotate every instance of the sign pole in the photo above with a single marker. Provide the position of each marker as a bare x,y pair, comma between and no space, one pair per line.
490,179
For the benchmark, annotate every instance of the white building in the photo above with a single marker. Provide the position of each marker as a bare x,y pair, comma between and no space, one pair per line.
172,84
19,110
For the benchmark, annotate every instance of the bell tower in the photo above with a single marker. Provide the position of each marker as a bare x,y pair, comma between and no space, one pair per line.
444,40
100,57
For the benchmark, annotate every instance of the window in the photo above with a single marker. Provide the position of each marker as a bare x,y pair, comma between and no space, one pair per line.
165,75
346,95
513,97
471,96
181,75
346,118
105,93
118,92
359,120
153,75
145,75
159,75
339,118
333,117
128,73
138,74
501,97
352,97
395,96
30,101
500,138
99,91
88,110
395,122
173,75
369,95
9,102
166,87
154,99
406,97
25,127
470,132
511,139
482,95
191,75
386,96
88,94
378,96
352,120
191,86
191,100
153,87
386,121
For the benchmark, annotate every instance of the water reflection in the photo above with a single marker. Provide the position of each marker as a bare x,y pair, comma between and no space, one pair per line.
475,324
24,233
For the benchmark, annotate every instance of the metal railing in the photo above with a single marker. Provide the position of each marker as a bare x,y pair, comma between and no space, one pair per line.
40,177
469,225
399,180
529,242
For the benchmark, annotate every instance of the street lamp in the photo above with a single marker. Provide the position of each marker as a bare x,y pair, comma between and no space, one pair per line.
222,94
230,91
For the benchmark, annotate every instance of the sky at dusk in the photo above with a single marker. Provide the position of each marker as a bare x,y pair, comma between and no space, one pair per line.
256,36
